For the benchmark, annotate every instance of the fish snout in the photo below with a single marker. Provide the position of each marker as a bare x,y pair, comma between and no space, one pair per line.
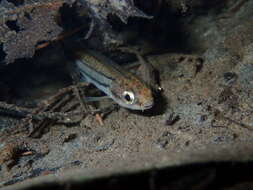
148,104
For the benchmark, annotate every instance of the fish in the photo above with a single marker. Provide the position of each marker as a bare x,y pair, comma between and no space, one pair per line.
118,83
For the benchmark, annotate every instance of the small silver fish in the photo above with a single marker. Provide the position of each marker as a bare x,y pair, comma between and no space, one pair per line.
119,84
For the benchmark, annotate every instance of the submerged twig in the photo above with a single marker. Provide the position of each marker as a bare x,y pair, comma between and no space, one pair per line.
53,110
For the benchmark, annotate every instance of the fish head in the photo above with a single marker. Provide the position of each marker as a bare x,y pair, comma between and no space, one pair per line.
132,93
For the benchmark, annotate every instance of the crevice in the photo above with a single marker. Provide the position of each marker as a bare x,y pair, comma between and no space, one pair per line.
16,2
12,25
2,54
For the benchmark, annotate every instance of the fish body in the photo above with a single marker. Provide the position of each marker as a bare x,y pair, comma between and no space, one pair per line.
119,84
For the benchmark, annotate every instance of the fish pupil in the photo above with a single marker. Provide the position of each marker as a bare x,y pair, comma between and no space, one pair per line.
127,97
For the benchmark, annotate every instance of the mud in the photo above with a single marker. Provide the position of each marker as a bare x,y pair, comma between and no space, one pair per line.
203,114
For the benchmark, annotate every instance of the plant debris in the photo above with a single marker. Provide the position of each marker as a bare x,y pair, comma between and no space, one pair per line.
54,109
25,25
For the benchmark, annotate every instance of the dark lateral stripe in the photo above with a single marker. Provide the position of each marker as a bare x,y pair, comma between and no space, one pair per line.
89,70
93,79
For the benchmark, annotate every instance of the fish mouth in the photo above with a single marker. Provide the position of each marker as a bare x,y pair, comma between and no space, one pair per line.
145,107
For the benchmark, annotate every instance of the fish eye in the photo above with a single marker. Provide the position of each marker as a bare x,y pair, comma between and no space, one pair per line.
128,97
